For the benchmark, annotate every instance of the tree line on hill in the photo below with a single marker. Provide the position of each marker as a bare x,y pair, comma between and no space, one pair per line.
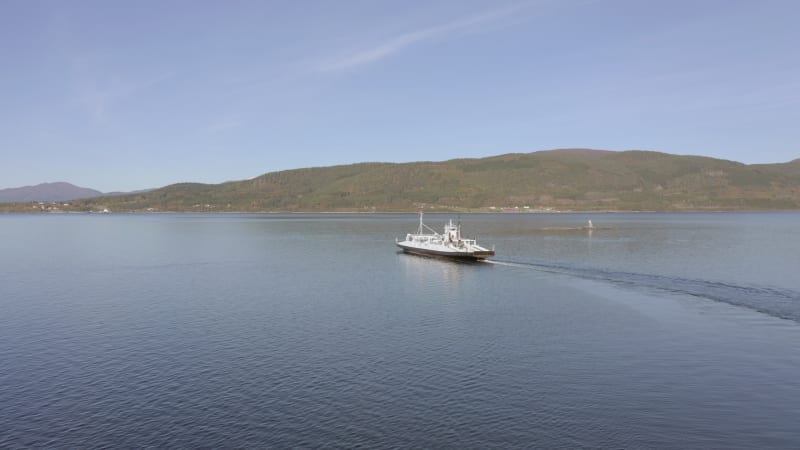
566,180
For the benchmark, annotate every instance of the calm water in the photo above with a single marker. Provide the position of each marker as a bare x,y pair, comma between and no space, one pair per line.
652,331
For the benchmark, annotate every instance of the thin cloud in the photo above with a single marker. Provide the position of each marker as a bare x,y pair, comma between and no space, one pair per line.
224,124
398,43
99,98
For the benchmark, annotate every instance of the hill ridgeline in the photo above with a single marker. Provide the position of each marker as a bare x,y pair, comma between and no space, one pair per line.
564,180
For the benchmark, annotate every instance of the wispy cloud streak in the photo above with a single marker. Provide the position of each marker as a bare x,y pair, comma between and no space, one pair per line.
398,43
224,123
98,98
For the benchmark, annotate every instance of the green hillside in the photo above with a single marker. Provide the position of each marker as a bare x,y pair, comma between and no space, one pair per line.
574,179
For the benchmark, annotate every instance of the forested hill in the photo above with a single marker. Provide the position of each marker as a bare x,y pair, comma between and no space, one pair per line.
572,179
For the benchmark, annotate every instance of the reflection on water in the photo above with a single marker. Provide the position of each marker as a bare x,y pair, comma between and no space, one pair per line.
427,272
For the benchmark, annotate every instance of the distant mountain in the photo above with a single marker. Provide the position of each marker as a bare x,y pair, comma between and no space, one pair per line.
566,180
47,192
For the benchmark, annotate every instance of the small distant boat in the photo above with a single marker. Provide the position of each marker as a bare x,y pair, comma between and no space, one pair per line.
449,244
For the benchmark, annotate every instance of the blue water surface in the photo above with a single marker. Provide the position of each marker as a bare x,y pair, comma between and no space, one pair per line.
308,330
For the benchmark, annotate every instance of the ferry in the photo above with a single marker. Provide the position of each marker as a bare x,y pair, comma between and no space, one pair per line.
450,244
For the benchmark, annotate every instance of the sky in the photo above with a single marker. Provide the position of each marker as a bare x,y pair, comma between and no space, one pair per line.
128,95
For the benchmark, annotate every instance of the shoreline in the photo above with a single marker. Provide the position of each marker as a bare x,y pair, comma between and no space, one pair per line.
687,211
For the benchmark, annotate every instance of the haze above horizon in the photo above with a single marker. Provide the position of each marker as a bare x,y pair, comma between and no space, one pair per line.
122,96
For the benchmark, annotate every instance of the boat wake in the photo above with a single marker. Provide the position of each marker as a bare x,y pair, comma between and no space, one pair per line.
776,302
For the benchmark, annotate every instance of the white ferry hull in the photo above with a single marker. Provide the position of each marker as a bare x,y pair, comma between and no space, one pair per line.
449,244
445,252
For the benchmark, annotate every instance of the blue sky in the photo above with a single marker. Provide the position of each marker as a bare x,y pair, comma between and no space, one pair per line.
120,95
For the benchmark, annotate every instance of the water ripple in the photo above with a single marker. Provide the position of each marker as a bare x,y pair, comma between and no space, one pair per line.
777,302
